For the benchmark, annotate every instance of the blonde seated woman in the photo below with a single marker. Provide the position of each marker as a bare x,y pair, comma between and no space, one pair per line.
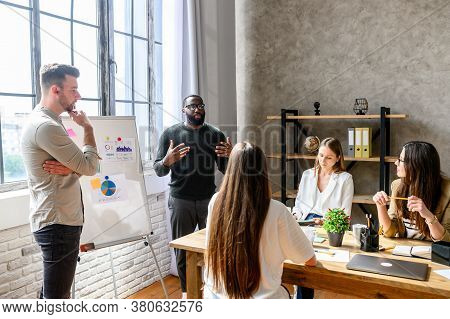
326,185
424,211
248,234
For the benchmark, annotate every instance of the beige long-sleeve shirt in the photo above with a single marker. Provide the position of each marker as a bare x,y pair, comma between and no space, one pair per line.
54,199
442,212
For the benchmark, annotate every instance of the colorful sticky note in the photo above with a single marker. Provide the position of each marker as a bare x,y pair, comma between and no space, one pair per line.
71,133
96,183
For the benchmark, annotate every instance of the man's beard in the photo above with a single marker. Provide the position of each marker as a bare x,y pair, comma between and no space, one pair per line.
194,121
68,107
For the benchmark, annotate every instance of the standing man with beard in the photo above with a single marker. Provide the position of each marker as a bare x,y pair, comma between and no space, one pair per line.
190,151
54,163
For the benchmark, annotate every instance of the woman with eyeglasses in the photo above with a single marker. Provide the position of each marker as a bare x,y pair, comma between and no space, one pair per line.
249,235
420,202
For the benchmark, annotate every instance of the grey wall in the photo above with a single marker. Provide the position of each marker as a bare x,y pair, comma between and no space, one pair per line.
396,53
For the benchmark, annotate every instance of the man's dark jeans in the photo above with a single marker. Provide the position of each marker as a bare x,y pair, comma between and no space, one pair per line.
59,245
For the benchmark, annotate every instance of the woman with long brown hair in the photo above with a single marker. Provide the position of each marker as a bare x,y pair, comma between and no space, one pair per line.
326,185
249,235
420,202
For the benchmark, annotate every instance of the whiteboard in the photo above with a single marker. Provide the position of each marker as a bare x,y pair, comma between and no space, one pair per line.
115,202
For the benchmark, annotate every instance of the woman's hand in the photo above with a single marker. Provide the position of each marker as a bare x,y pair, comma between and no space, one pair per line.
318,221
415,204
381,198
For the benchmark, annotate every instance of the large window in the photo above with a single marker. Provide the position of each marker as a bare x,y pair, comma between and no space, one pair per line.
17,85
131,46
69,31
69,34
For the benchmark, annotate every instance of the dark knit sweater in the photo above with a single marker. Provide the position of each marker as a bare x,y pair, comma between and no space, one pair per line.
192,177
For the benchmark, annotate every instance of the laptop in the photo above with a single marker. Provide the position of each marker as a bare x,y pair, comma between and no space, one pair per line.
389,267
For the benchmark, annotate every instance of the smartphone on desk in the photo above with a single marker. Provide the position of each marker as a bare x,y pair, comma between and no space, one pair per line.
306,222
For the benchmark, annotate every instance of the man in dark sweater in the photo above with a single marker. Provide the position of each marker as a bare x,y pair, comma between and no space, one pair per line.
190,151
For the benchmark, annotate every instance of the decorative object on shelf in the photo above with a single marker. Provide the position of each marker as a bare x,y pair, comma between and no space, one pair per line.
336,223
316,106
361,106
312,144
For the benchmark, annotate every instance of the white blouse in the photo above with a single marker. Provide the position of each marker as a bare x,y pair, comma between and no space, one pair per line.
337,194
281,239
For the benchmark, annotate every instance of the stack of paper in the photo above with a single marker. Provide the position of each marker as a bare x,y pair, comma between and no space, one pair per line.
336,255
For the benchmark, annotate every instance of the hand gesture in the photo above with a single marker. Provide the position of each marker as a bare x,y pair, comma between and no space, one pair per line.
80,118
318,221
56,168
174,154
381,198
224,148
415,204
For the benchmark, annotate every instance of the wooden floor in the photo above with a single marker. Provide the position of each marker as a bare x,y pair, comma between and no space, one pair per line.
172,283
155,291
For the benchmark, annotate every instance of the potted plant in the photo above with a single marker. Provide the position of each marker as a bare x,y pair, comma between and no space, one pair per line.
336,222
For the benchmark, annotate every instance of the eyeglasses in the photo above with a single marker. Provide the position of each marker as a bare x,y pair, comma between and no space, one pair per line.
192,107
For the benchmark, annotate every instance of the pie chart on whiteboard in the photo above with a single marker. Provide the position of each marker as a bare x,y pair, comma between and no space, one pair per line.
108,187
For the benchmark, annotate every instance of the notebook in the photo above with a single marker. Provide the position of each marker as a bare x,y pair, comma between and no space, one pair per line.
389,267
413,251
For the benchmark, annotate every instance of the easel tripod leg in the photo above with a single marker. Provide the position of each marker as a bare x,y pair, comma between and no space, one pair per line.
157,268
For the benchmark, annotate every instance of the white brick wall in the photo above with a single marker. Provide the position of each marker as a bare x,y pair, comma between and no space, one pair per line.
134,267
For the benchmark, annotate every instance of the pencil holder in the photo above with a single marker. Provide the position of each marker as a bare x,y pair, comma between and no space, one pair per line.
369,240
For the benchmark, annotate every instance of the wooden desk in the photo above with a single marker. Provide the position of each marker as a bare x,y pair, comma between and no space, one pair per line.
332,276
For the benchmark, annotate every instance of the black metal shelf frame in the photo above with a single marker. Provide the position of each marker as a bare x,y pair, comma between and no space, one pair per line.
384,132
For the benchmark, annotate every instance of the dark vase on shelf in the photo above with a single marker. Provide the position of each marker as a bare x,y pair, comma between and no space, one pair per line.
335,239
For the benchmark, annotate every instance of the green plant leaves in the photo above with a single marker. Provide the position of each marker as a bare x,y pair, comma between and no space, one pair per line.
336,221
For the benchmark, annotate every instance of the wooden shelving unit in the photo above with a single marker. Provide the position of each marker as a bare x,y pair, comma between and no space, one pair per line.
389,159
337,117
384,159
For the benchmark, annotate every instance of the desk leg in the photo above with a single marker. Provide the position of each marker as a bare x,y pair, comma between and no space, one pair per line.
193,275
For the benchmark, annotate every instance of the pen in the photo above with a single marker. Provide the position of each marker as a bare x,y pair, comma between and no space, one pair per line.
323,251
401,198
386,248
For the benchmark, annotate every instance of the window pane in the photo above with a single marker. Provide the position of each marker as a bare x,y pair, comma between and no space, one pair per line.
55,40
59,7
123,109
122,56
85,10
90,107
86,59
13,113
157,17
140,18
142,123
25,3
157,65
15,54
140,70
122,15
159,117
